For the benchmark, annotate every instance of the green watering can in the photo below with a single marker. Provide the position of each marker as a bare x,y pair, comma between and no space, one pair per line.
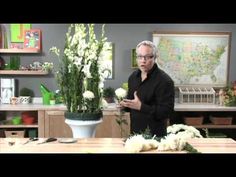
46,94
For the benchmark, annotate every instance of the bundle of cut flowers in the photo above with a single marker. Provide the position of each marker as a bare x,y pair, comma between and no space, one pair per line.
176,140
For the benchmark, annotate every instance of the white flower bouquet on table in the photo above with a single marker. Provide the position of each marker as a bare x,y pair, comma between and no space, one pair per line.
176,140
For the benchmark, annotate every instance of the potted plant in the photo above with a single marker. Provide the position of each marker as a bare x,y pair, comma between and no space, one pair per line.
80,77
108,94
25,95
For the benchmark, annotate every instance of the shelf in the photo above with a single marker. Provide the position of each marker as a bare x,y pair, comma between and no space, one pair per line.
22,72
215,126
19,126
20,51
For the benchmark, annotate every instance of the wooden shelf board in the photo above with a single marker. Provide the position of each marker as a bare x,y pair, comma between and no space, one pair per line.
19,126
20,51
23,72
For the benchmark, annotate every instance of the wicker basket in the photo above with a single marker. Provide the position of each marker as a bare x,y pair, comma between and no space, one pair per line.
221,120
193,120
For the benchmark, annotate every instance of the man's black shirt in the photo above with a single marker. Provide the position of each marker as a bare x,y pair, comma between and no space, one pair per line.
157,95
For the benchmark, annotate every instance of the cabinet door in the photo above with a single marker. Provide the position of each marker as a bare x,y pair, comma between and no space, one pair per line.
109,128
55,125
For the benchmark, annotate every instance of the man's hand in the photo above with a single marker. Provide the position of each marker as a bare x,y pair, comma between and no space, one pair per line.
132,104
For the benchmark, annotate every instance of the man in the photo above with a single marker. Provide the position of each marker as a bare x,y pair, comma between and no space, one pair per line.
151,93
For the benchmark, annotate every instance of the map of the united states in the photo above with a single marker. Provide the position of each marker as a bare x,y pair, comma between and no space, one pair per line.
195,60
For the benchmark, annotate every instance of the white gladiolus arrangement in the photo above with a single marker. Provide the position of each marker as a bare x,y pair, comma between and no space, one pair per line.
81,73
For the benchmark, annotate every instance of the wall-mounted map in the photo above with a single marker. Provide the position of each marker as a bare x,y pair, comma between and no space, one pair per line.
194,58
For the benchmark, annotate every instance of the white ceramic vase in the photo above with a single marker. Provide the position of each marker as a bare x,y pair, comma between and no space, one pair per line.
83,129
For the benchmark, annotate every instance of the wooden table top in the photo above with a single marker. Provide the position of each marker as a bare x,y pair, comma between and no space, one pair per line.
107,145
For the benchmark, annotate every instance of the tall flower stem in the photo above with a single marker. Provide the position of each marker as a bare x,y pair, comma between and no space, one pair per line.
121,121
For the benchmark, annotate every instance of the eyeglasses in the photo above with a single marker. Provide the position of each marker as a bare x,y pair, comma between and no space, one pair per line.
147,57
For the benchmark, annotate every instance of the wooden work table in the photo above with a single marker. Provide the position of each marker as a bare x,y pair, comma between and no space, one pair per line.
108,145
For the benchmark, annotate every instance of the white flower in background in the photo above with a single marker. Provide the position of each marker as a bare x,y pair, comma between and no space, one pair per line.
120,93
47,66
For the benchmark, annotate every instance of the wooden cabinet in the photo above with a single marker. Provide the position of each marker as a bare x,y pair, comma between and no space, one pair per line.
31,130
207,111
109,128
55,126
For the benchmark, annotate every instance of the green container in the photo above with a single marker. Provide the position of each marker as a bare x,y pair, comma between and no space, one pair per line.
46,98
32,133
46,94
16,120
15,62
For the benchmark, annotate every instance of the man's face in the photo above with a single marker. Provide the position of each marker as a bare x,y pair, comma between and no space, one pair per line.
145,58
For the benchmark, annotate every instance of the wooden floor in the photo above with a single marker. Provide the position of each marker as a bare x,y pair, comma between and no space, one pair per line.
106,145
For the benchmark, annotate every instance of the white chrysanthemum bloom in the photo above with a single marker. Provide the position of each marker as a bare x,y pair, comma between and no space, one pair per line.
120,93
88,95
134,143
138,143
177,137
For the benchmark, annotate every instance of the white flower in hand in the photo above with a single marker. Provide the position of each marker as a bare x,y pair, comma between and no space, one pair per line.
120,94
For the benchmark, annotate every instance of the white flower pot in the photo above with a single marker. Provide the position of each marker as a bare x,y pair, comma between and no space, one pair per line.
24,99
83,129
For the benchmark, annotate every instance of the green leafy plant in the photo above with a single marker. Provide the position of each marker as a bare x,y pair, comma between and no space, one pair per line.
26,92
229,94
109,94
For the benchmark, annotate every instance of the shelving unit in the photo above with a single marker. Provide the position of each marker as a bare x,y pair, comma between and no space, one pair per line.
32,129
207,111
6,123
